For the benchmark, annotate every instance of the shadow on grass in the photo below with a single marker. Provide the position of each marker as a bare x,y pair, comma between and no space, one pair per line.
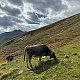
45,66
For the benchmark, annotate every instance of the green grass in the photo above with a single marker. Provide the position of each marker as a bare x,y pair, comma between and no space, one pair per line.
61,69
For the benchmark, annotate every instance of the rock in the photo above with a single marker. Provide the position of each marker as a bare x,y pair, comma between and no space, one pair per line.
18,67
66,56
21,71
75,53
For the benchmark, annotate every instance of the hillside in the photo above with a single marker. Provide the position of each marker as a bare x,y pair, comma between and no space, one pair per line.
64,32
62,37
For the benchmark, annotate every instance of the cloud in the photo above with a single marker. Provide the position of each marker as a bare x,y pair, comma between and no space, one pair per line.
72,2
49,8
10,10
31,22
41,15
20,14
6,21
32,16
73,7
44,5
9,21
16,2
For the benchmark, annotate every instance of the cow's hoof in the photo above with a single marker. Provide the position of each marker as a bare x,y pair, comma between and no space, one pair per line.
27,66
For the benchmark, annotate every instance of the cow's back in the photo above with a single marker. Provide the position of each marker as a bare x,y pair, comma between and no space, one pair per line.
38,50
35,50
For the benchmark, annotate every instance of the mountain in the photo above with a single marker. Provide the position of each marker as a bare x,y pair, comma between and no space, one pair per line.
61,33
8,35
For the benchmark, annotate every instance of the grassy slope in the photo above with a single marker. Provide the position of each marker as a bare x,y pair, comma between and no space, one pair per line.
63,37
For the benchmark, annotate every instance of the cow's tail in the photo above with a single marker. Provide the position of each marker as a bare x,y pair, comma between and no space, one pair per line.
24,54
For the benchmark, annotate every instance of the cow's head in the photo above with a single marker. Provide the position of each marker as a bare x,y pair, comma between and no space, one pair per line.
53,55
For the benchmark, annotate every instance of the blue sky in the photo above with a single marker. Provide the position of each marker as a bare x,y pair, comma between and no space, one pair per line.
41,15
38,15
31,22
33,14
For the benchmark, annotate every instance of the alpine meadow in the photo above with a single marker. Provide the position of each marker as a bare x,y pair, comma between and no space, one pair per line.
62,37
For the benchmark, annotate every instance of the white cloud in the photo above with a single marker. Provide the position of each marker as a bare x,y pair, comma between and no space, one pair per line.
73,7
10,10
2,29
16,2
14,12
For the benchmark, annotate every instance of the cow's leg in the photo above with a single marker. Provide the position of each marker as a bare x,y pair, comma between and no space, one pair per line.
39,59
30,57
27,60
8,60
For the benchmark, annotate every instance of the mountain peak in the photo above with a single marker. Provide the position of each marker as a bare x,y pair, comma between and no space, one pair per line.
8,35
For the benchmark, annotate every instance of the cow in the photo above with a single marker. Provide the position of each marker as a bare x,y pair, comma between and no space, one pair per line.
39,51
9,58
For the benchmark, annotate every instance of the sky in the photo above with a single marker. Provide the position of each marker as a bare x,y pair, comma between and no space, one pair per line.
28,15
